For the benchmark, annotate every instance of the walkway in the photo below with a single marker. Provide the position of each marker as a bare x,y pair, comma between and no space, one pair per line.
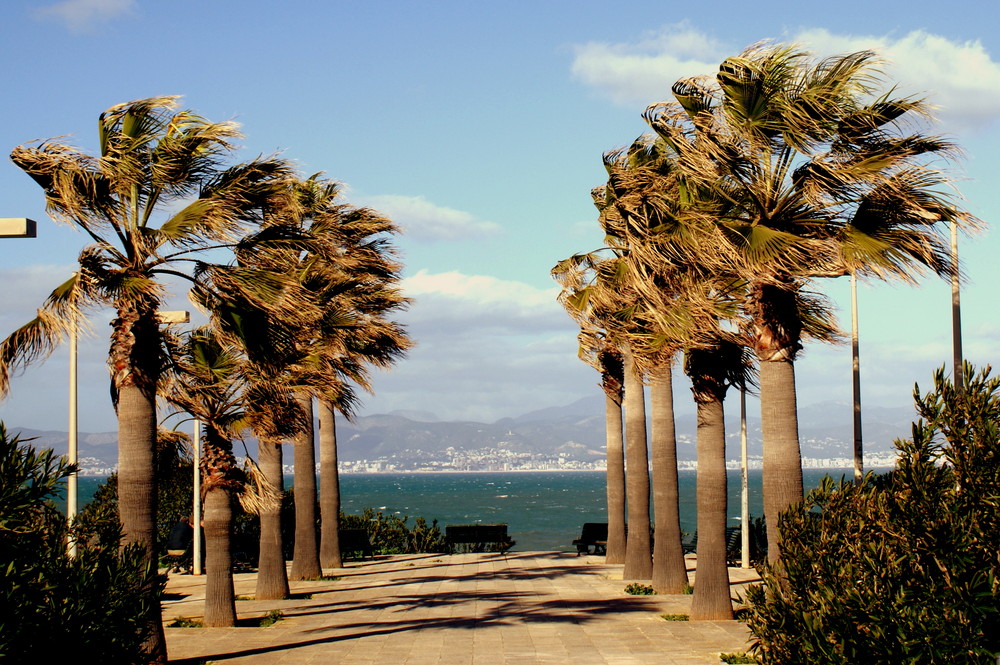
475,609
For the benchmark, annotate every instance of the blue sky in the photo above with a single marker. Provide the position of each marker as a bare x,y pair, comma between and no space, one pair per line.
479,127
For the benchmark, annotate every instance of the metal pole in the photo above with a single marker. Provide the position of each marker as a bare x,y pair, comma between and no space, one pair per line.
196,513
745,493
856,381
956,315
73,453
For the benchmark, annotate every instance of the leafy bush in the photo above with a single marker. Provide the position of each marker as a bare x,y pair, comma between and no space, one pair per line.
93,607
636,589
389,534
902,568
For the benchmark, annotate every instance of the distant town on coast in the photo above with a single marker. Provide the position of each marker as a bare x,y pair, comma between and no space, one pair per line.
569,438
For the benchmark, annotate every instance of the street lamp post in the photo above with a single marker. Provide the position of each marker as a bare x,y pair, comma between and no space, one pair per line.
185,317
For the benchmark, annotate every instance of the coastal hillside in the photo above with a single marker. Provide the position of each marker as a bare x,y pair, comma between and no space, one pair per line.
569,436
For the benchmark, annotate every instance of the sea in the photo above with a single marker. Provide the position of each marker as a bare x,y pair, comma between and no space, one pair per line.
544,511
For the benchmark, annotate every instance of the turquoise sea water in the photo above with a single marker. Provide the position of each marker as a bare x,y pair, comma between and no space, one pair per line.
543,510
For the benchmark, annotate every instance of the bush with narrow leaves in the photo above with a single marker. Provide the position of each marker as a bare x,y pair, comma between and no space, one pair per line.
902,568
53,608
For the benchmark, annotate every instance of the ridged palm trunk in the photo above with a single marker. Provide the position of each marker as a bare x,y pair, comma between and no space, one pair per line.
218,466
638,557
711,599
132,360
615,481
779,424
305,557
778,338
669,571
272,577
329,488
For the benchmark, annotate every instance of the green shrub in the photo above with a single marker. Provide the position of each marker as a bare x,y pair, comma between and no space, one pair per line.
636,589
93,607
737,657
675,617
902,568
389,534
271,618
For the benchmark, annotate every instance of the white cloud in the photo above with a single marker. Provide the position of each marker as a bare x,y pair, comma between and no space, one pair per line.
80,15
479,289
424,220
642,73
960,78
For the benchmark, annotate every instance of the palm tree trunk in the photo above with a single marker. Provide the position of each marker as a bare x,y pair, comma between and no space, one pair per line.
305,557
272,577
616,481
669,571
329,488
711,601
220,598
638,558
779,421
137,490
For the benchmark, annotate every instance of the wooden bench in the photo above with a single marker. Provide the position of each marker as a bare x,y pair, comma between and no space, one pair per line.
733,544
594,534
478,537
353,541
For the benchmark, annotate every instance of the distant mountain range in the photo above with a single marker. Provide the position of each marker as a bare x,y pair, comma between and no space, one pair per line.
575,431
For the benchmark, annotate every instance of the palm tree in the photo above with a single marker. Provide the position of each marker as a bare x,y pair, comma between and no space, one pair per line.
341,257
811,175
591,296
208,382
156,164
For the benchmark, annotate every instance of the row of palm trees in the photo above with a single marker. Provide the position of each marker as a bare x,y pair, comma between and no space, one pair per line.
298,287
752,184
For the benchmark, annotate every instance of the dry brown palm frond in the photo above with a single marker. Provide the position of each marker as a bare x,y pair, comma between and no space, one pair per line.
257,495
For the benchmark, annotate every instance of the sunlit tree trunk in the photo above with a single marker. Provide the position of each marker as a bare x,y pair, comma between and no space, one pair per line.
329,488
669,571
711,584
615,481
133,352
272,576
638,557
218,465
305,557
779,423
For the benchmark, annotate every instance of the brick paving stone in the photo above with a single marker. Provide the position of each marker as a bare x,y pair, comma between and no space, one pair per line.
464,609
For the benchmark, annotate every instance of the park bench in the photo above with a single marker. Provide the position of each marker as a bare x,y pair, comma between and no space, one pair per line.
478,537
594,534
733,544
354,541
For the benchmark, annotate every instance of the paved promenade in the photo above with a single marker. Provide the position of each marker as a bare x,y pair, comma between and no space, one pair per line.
475,609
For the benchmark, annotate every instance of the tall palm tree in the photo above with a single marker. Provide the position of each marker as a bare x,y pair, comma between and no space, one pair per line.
156,196
591,294
812,174
208,382
344,261
575,275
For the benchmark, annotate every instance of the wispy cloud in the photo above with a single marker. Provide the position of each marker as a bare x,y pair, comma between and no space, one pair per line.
424,220
960,78
641,72
82,15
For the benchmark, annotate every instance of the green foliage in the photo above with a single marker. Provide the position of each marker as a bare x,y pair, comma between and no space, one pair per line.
636,589
271,618
901,568
52,607
175,480
389,534
737,657
184,622
675,617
